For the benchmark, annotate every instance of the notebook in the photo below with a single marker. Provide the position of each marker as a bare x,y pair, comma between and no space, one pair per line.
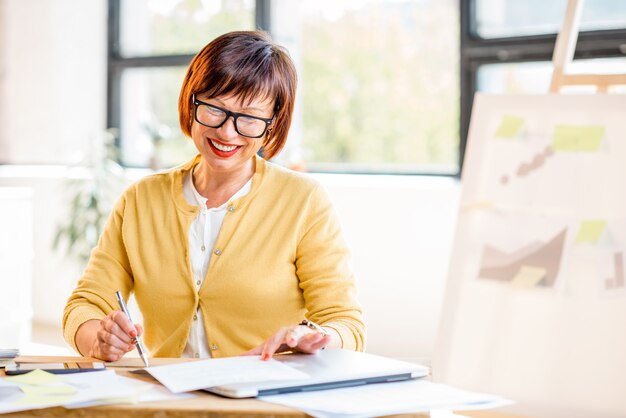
327,369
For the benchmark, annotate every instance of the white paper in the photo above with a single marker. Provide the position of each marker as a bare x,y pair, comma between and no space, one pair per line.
185,377
434,413
9,392
142,392
385,399
89,386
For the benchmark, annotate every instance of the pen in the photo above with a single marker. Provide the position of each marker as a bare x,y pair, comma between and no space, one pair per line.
124,308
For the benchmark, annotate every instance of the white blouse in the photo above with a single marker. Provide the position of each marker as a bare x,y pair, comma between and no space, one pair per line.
202,236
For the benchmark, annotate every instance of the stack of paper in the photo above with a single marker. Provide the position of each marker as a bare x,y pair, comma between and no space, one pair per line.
7,355
39,389
202,374
415,395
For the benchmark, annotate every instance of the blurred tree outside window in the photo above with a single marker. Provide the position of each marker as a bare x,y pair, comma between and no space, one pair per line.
378,87
150,131
155,43
167,27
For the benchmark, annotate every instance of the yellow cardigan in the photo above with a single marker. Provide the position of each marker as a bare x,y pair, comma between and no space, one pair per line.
279,257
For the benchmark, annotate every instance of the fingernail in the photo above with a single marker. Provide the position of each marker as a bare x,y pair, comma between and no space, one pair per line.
266,356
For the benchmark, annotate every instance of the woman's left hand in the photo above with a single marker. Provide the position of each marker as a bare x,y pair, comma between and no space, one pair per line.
298,338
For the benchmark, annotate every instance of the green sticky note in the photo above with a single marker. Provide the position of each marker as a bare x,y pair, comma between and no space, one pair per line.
509,126
529,276
573,138
36,377
38,390
590,231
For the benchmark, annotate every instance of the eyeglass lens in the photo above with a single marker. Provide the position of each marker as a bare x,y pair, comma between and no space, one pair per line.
214,117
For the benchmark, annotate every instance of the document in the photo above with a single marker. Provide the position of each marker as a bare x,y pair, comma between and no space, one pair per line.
379,399
141,392
186,377
35,390
39,389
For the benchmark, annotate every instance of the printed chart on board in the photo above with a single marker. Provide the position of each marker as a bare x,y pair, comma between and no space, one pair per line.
535,304
543,188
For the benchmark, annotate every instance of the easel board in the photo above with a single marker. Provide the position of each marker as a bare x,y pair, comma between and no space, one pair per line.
535,305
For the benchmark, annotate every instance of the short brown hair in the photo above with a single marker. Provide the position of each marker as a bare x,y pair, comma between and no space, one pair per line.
247,64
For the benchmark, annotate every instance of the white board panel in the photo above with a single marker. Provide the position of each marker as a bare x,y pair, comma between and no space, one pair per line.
535,305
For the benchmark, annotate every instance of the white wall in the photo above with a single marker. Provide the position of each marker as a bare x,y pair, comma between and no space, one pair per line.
53,275
16,256
52,78
53,60
52,102
400,230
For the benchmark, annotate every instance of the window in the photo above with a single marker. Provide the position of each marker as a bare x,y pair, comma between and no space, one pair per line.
534,77
507,18
170,27
378,87
507,45
379,84
151,43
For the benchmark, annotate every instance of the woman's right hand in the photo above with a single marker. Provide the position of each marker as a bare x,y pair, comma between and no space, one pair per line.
111,337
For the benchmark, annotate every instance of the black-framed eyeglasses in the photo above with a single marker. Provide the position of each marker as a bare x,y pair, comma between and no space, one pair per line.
214,117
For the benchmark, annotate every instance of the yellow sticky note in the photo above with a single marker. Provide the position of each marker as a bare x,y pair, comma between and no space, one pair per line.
43,400
55,390
529,276
509,126
590,231
36,377
583,138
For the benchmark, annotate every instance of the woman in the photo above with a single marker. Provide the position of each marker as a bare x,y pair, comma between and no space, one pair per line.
227,254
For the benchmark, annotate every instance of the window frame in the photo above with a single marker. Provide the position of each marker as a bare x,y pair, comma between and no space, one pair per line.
474,52
117,64
477,51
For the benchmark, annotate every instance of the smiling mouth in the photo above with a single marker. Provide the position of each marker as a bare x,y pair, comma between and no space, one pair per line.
222,147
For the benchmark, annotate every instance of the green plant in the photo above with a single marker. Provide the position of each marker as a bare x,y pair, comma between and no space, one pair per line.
92,189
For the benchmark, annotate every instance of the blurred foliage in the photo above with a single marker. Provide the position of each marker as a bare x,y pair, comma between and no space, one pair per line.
173,27
174,148
380,85
180,26
91,196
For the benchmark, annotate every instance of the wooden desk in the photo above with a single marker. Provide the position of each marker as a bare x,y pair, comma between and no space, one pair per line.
205,405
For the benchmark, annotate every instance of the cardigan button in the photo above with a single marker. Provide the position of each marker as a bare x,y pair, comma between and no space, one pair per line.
195,317
231,208
213,347
218,251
